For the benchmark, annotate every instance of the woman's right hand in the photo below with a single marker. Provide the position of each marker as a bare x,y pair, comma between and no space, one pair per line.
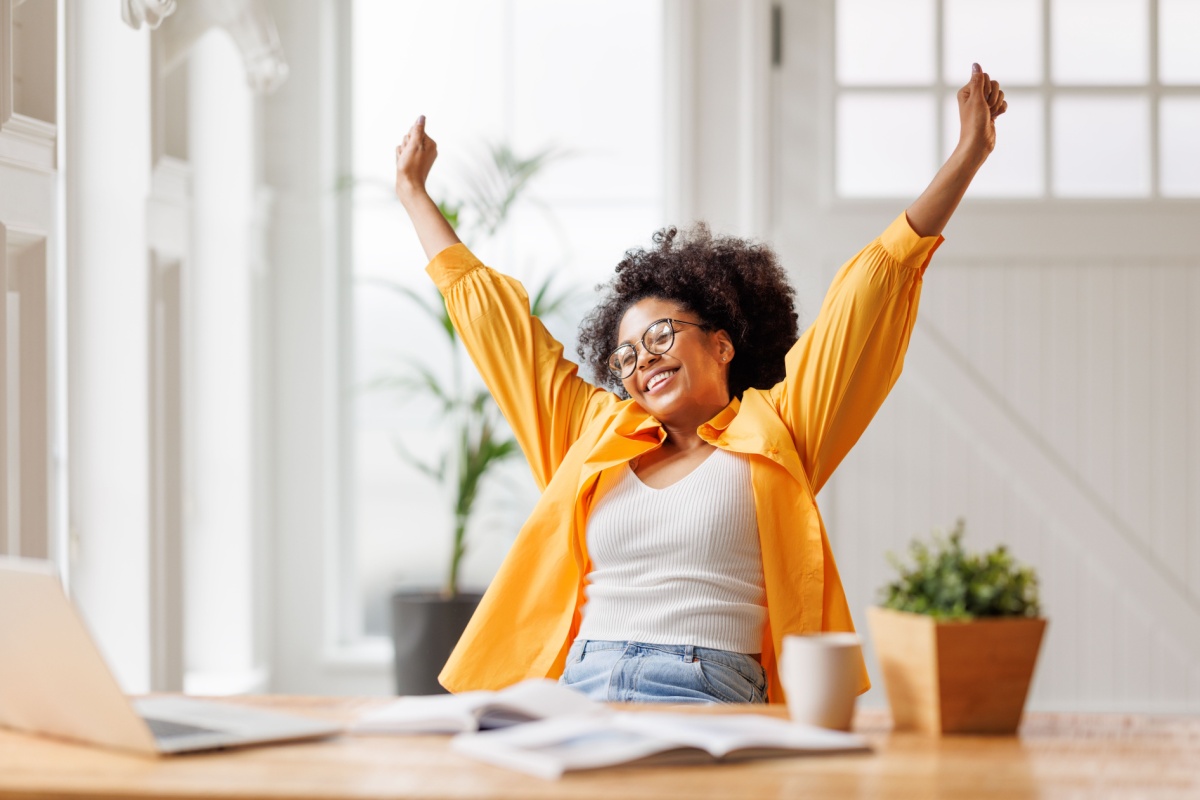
414,159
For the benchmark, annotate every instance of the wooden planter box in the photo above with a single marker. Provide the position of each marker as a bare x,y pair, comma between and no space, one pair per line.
955,677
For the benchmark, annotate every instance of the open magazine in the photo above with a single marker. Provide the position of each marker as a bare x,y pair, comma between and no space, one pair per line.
470,711
551,747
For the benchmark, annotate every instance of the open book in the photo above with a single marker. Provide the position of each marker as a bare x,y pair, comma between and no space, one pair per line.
454,713
551,747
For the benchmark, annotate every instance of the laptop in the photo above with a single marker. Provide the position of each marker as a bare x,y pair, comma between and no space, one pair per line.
54,681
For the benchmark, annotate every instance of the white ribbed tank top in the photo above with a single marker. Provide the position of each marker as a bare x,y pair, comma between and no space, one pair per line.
680,565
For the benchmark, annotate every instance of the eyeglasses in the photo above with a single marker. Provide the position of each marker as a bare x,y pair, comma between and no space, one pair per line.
657,339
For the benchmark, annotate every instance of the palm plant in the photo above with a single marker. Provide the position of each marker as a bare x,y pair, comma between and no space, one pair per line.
480,438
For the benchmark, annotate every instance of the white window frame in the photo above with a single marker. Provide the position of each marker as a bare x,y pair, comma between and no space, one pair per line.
1119,227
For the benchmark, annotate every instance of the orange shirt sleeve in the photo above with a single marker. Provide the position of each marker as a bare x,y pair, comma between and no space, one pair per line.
537,389
842,367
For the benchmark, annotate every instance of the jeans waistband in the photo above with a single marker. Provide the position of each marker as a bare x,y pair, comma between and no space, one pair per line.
686,652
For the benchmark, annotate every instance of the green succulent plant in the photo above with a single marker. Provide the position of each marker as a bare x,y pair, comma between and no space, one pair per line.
946,582
480,438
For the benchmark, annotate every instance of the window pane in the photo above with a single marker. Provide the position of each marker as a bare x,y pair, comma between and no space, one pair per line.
1101,146
1178,31
615,134
1100,41
886,143
885,42
462,100
1179,128
1016,167
523,72
1007,45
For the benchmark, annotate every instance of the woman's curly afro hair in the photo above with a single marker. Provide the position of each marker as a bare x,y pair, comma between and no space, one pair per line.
729,283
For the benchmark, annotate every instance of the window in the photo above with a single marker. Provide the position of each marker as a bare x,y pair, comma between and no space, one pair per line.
584,78
1104,98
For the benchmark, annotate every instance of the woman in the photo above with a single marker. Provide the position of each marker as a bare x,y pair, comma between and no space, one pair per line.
677,539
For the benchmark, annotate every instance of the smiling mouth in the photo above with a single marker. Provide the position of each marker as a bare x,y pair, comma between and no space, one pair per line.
659,378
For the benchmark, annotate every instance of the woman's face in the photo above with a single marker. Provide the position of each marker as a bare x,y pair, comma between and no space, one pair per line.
687,381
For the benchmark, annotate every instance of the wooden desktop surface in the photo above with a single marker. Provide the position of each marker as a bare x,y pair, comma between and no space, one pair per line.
1054,756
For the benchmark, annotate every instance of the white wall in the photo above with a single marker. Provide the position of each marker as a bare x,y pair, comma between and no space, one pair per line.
1055,404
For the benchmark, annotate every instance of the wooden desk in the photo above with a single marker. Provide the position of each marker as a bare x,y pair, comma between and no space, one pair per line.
1055,756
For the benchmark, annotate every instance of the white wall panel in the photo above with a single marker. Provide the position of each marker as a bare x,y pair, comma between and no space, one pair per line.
1094,365
1169,417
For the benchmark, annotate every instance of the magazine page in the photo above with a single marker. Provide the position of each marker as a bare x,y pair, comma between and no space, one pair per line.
552,747
469,711
727,734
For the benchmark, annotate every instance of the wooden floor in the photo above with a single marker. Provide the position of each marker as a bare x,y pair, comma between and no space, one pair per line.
1054,756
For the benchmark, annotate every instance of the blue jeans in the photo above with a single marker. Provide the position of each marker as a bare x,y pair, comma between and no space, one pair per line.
635,672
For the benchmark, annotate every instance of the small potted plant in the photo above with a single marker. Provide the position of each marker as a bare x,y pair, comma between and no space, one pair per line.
957,637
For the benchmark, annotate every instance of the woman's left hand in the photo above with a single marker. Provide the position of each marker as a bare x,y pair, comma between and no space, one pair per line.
414,159
979,103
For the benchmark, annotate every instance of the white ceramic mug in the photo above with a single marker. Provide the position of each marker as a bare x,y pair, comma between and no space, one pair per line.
820,673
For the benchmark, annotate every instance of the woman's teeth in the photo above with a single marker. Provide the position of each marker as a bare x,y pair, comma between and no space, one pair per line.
659,378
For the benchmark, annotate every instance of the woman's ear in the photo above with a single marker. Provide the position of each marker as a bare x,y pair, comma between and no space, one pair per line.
724,347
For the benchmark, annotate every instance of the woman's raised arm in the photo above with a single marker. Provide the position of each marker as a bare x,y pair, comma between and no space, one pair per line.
545,402
979,103
844,365
414,159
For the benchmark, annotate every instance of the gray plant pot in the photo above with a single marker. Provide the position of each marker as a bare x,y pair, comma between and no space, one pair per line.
425,628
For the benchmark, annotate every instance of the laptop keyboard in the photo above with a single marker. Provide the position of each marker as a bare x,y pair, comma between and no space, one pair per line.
165,729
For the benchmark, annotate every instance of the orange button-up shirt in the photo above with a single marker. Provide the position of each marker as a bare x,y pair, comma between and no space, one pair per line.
796,433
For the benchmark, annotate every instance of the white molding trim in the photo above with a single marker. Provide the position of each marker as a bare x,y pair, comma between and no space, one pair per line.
171,182
679,110
168,237
26,270
151,12
6,66
248,22
1115,231
29,142
948,380
754,116
10,542
60,546
22,236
